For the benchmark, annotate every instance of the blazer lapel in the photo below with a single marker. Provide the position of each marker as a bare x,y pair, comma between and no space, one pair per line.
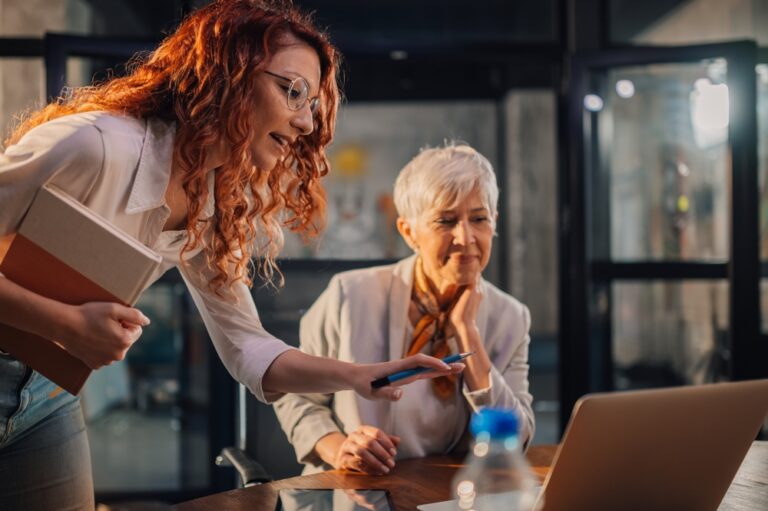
399,300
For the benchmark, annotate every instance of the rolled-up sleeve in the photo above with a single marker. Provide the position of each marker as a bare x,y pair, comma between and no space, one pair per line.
68,153
306,418
244,346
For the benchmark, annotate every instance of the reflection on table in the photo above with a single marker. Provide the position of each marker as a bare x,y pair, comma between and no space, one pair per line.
426,480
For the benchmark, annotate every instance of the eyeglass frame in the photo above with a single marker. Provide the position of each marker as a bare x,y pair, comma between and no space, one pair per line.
314,103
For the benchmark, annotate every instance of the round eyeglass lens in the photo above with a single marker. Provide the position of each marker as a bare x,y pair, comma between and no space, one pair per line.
298,93
314,105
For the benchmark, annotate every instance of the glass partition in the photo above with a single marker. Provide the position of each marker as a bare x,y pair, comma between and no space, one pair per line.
147,416
662,219
669,333
663,162
761,70
373,141
675,22
22,87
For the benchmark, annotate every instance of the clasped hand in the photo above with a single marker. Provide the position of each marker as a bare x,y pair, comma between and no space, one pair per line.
368,450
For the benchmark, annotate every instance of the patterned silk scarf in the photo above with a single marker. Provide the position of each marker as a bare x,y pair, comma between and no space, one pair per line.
431,320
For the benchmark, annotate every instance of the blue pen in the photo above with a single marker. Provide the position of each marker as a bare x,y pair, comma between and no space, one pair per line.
392,378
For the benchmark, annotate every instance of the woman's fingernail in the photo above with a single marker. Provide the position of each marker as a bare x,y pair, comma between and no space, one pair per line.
393,452
385,469
398,393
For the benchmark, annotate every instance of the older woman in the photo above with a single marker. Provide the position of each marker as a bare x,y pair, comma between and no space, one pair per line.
434,302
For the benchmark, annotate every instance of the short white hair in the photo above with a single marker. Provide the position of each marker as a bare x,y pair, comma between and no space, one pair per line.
443,177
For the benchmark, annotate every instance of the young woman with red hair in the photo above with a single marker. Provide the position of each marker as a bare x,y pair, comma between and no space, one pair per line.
204,151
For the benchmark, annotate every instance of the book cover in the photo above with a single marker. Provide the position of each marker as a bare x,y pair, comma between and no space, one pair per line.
66,252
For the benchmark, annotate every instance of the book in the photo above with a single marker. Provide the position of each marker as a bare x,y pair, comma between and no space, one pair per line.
67,252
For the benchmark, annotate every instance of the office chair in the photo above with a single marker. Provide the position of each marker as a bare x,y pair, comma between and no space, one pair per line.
249,471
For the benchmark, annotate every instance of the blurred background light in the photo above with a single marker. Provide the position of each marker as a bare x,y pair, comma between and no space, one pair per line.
625,88
593,102
710,110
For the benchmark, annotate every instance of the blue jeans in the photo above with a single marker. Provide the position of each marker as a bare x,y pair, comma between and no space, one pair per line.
45,462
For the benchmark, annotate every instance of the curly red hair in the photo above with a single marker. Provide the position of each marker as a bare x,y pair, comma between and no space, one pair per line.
202,77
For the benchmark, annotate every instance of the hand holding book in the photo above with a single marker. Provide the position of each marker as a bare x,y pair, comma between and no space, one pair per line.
101,332
89,272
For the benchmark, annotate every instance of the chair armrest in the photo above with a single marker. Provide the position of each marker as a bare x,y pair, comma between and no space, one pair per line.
250,471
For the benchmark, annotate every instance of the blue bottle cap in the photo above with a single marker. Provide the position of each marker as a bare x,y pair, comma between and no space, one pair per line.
495,422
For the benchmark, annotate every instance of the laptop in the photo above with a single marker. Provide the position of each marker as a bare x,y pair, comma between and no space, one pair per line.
675,448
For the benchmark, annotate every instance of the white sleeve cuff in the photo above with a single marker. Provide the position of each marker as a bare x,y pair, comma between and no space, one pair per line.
477,399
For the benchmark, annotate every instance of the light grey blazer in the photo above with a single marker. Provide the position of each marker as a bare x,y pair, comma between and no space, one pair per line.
362,316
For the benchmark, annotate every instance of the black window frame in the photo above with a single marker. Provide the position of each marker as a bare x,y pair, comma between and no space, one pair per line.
585,354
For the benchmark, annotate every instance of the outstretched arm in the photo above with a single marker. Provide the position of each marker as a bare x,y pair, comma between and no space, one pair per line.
269,367
297,372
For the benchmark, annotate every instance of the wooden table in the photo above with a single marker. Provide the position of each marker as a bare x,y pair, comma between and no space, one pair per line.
420,481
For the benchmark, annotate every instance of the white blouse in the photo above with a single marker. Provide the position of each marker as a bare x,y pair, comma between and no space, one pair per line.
120,167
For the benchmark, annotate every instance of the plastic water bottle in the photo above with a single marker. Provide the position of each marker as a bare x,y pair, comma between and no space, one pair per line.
496,475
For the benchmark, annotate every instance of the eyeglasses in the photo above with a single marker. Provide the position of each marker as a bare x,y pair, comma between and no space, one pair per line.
297,93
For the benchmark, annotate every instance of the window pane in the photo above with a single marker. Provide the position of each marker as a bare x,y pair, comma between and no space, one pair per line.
144,414
373,142
84,71
33,18
22,87
762,167
764,306
672,22
116,18
762,151
669,333
529,188
657,150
